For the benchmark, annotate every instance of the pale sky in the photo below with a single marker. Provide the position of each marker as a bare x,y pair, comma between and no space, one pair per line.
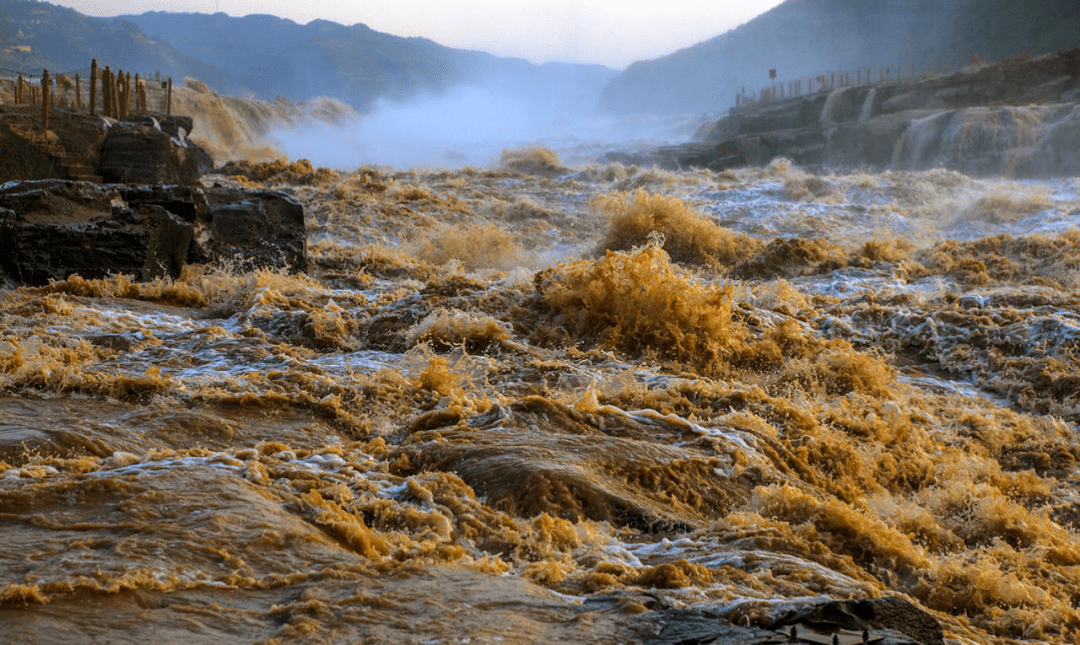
610,32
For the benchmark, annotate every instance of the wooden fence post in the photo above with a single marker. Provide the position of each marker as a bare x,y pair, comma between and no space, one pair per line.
78,93
105,100
93,87
114,98
127,95
120,94
45,100
168,100
107,84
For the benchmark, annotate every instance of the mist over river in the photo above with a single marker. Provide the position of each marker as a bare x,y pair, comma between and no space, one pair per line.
542,403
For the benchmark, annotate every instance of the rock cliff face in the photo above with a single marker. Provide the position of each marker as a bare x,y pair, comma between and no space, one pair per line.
1020,117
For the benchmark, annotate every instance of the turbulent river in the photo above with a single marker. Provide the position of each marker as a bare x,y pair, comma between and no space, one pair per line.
537,403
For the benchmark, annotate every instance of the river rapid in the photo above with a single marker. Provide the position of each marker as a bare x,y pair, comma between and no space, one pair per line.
538,403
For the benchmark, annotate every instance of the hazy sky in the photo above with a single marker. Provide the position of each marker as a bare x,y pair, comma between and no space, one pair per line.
609,32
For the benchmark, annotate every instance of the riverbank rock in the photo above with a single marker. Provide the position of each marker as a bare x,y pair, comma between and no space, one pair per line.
1022,141
251,228
78,146
146,150
1019,117
882,621
52,229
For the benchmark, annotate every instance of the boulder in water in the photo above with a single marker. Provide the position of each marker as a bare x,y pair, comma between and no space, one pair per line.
252,228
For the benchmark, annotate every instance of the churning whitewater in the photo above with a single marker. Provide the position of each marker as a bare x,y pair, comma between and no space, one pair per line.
539,403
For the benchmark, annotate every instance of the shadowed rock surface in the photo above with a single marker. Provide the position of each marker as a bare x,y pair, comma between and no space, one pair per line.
146,150
53,229
883,621
77,146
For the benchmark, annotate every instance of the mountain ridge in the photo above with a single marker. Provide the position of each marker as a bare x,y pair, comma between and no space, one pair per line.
271,57
356,63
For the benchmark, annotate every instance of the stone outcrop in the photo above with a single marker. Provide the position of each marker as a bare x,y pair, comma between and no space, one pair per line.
52,229
884,621
1019,117
139,149
9,229
250,228
146,150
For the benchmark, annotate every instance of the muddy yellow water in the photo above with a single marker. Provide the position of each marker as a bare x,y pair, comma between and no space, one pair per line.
535,402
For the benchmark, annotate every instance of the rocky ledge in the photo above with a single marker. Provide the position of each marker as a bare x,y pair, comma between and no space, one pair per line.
51,229
1019,117
878,621
141,149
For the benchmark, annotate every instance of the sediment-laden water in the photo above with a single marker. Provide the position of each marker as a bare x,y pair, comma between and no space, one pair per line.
535,403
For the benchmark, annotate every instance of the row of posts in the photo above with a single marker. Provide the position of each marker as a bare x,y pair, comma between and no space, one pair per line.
825,82
117,92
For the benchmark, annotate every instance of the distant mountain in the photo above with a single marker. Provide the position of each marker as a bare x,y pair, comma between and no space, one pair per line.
800,38
37,35
272,57
279,57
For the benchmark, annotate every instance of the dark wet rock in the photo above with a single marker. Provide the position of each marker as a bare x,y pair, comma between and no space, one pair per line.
871,614
692,628
169,238
9,241
1019,117
140,151
252,228
52,229
176,125
883,621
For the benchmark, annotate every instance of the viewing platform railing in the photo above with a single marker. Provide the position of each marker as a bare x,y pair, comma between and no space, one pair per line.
839,79
93,91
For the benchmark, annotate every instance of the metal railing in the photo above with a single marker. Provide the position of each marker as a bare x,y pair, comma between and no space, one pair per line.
839,79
